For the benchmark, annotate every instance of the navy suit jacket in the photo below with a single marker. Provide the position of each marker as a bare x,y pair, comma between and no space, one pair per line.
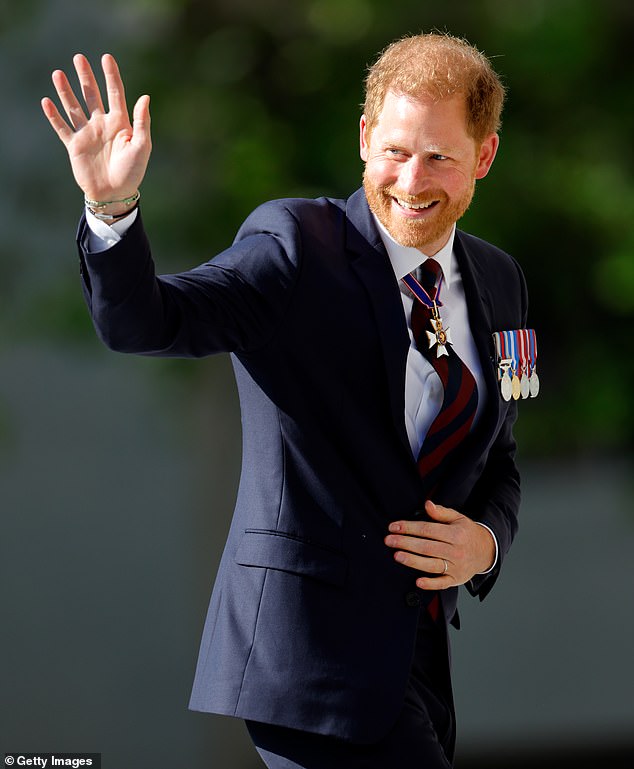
312,623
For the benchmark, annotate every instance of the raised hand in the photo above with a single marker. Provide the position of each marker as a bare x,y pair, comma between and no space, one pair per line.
108,154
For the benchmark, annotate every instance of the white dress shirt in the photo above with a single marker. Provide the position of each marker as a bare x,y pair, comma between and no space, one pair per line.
102,236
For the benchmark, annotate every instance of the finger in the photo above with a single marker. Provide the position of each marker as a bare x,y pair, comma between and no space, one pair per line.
114,84
59,125
440,513
427,547
436,583
72,107
141,121
88,84
422,563
423,529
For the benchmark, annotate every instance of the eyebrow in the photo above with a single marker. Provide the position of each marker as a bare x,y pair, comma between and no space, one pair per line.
396,138
430,149
440,149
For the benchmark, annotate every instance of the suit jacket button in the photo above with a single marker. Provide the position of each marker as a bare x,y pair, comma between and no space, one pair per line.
412,598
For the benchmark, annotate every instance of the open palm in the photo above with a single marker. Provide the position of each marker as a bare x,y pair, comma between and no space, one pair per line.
108,154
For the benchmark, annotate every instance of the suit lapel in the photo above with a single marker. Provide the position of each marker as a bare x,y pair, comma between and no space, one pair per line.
372,265
480,311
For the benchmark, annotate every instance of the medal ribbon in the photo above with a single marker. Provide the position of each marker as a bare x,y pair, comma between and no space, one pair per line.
500,348
511,346
532,346
523,346
420,293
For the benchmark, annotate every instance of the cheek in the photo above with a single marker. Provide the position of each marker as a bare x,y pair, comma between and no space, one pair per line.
380,173
457,181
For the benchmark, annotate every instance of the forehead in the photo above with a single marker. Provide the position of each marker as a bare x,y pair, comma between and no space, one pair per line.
423,118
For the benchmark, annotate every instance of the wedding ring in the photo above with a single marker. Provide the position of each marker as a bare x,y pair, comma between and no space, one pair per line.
446,566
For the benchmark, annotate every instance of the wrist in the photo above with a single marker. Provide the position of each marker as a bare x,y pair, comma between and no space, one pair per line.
111,210
490,548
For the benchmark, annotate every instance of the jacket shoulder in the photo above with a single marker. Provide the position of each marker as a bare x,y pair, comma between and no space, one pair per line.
487,252
497,272
304,214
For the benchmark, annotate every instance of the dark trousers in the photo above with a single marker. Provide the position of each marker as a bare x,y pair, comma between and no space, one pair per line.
423,736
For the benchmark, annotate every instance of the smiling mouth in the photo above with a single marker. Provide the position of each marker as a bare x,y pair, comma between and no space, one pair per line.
415,206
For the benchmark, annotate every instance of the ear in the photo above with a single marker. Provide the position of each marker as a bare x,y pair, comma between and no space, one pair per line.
363,139
486,155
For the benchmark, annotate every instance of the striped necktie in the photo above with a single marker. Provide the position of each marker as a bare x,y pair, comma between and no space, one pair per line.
460,400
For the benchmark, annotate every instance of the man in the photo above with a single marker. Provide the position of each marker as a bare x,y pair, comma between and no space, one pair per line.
378,469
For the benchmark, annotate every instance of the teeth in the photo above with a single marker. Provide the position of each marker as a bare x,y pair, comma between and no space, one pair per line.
414,206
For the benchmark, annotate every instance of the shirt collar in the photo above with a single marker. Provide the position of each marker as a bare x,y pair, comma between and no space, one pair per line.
405,259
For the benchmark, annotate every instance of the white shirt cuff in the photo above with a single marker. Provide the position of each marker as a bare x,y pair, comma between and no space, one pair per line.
497,549
101,236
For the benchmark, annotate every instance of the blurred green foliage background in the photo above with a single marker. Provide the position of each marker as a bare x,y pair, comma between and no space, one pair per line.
256,100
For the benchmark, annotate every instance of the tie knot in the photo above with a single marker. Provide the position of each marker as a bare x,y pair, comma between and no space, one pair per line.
430,273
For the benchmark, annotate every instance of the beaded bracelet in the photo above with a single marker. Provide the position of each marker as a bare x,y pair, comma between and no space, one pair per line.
112,217
95,205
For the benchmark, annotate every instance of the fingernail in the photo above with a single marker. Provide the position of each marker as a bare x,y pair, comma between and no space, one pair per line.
395,527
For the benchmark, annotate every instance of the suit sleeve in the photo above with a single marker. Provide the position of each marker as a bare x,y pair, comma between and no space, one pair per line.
495,501
235,302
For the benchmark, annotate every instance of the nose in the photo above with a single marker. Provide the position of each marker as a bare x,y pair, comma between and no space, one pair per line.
414,176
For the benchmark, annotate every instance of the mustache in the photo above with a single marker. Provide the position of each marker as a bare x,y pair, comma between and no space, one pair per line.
423,198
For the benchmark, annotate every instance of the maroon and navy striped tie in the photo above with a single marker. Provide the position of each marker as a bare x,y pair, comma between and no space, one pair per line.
453,422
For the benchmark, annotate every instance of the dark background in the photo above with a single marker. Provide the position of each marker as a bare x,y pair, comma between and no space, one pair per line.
117,474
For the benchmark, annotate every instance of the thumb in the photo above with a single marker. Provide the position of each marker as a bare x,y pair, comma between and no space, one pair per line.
440,513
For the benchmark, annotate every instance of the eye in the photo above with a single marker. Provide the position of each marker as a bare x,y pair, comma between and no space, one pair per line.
438,156
394,152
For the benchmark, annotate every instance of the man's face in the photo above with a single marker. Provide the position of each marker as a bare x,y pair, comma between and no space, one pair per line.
421,166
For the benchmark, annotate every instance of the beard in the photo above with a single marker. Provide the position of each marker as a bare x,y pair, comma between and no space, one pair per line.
433,230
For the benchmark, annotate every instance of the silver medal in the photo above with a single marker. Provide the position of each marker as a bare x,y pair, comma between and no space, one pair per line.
506,386
534,385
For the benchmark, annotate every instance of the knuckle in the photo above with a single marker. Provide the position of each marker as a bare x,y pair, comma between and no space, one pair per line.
422,529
